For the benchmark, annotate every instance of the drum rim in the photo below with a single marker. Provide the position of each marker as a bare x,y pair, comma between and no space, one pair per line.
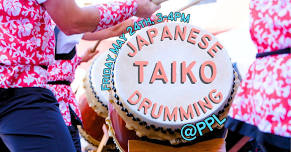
173,138
91,85
91,140
88,137
95,102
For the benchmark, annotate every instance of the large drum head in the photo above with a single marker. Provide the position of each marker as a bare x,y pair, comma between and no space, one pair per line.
169,75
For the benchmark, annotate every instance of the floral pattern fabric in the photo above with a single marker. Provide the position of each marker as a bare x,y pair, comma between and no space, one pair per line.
64,70
66,97
264,97
115,12
26,41
271,24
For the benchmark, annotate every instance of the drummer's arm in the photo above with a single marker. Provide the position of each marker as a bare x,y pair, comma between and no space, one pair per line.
116,30
88,55
72,19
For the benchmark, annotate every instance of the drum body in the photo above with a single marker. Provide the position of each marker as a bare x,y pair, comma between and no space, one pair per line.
92,123
121,135
92,130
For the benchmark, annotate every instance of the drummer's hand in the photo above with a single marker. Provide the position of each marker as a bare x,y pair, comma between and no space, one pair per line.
145,8
89,54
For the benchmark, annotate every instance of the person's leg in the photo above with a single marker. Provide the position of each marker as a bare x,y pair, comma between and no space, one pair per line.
75,136
74,129
271,148
3,147
30,121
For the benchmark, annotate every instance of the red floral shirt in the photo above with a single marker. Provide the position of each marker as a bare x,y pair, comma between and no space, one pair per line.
64,70
264,96
115,12
26,41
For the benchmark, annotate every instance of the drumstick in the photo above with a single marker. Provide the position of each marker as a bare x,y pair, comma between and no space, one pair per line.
95,46
104,138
